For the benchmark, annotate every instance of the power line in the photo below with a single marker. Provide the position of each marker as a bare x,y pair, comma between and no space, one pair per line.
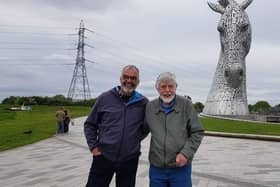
128,56
28,43
33,33
88,45
157,62
32,59
27,48
40,64
36,26
133,48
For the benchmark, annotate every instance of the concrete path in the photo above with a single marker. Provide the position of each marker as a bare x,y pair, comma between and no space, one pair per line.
64,160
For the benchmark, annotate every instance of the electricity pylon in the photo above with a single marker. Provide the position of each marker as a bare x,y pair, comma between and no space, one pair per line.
79,87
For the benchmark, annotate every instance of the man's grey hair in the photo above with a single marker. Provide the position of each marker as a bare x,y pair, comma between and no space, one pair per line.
130,67
165,77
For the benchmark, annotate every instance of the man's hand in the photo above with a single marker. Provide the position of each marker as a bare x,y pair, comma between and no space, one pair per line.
96,152
181,160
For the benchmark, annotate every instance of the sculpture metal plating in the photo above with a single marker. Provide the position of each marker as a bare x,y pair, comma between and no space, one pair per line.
228,92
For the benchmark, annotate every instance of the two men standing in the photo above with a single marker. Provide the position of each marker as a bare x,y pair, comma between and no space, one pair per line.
116,125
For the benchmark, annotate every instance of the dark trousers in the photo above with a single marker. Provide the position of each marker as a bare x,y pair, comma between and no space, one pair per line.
66,127
102,171
66,124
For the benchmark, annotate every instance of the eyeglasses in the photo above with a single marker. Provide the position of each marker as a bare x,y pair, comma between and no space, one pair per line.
132,78
167,86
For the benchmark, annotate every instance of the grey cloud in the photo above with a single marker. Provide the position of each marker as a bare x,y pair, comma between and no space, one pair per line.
72,5
179,36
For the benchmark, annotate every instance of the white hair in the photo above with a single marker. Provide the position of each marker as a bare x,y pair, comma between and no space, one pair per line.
165,77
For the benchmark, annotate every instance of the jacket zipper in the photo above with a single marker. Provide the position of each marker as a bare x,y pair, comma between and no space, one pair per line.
165,134
123,129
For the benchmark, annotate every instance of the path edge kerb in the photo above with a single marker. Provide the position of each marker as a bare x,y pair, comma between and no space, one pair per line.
237,135
243,136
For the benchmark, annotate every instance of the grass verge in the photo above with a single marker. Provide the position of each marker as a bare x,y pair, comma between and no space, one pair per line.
232,126
41,121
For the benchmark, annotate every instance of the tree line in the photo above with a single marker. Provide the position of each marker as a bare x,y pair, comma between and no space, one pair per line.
57,100
260,107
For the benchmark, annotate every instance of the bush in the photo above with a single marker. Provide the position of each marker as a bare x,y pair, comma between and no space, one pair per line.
198,107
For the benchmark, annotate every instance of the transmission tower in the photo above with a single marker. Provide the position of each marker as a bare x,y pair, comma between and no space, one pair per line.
79,87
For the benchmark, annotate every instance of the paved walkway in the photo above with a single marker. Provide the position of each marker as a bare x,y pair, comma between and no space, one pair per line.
64,160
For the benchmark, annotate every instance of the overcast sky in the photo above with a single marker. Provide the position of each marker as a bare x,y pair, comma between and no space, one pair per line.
38,40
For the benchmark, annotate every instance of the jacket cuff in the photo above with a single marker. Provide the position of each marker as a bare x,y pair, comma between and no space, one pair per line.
187,154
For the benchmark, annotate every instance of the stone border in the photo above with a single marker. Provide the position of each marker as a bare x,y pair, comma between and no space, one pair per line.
236,135
234,119
243,136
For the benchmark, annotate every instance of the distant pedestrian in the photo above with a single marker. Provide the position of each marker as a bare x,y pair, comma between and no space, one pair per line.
66,120
60,115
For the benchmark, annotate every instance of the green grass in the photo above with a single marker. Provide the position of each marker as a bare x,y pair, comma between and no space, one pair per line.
231,126
41,120
6,114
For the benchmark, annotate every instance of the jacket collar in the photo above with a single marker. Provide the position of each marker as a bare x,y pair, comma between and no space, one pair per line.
176,107
133,99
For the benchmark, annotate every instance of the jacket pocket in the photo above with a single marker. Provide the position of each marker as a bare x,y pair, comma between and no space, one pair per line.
111,118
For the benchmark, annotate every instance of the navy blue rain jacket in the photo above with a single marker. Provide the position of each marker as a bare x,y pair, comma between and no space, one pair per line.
115,127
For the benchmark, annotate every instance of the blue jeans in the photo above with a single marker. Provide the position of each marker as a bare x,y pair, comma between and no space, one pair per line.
171,177
60,127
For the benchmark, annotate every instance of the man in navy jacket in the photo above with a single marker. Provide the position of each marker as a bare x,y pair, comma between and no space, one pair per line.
113,132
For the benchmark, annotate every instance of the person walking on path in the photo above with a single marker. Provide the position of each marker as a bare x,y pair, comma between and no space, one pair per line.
176,134
60,116
113,131
66,120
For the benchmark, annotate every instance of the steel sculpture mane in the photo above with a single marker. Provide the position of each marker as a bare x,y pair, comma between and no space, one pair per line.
228,92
